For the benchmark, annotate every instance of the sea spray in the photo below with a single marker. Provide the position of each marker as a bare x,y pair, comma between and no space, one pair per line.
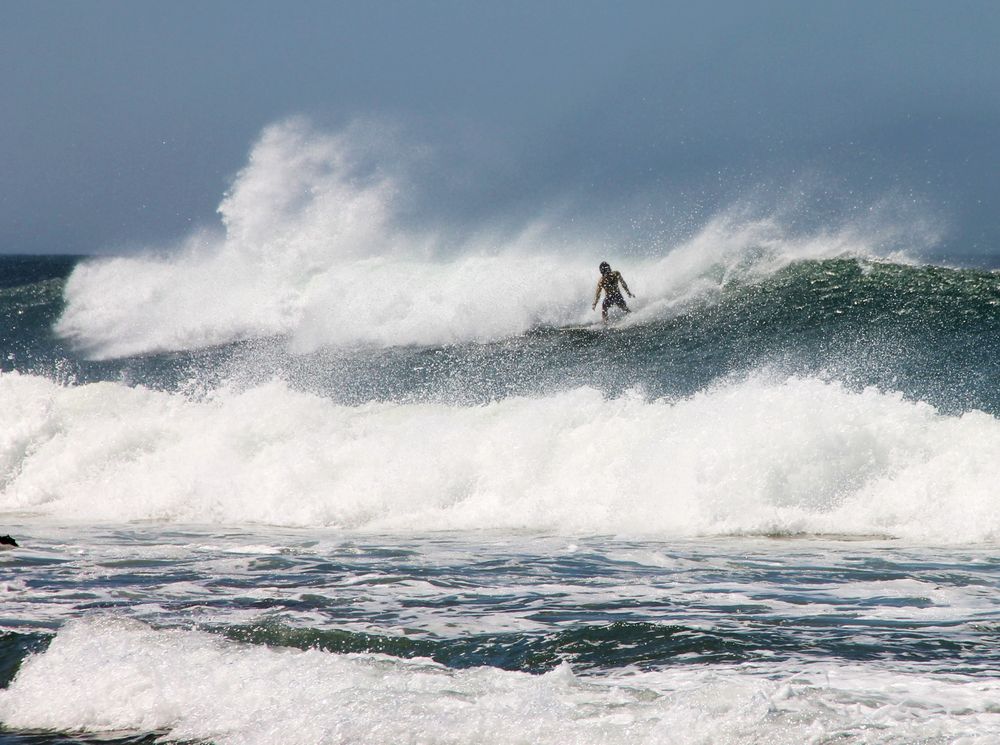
312,247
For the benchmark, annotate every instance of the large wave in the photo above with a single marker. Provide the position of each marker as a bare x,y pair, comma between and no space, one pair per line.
312,247
756,456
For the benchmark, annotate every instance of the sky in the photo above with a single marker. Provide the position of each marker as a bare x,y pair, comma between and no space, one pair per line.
125,122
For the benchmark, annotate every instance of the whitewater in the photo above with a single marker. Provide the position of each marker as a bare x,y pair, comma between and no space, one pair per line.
754,457
323,473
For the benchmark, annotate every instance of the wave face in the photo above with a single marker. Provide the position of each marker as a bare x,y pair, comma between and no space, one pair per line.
320,362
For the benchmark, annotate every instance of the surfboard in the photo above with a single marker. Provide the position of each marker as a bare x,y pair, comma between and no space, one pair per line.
590,327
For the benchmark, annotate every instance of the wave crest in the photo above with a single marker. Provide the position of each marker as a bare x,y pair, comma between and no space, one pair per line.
312,247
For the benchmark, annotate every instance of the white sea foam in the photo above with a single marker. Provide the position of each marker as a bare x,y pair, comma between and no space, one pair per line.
311,247
756,456
115,676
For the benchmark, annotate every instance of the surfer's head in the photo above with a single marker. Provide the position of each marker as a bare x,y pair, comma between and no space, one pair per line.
605,267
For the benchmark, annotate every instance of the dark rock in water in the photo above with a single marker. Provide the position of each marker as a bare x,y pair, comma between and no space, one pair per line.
6,540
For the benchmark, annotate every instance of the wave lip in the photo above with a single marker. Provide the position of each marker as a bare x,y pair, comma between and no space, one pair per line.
312,248
754,457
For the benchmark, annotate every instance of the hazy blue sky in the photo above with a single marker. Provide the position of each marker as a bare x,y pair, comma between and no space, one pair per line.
123,122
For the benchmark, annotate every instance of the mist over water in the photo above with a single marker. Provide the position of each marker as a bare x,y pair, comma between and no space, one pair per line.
313,248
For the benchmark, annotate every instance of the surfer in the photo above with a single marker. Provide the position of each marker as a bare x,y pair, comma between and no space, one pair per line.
612,295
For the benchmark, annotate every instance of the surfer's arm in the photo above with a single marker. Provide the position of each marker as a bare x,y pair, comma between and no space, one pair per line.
625,285
597,295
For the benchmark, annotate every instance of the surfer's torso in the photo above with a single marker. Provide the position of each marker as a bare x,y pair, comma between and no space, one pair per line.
609,283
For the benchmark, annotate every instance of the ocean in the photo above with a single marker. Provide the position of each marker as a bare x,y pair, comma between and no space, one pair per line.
266,492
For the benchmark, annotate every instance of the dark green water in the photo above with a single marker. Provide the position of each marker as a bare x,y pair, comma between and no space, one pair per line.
930,332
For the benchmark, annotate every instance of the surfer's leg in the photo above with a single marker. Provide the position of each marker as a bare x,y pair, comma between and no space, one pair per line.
613,300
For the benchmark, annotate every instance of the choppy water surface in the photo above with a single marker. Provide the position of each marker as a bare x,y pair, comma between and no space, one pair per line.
614,638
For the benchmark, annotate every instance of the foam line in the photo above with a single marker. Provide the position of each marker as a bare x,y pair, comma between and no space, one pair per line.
757,456
115,676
